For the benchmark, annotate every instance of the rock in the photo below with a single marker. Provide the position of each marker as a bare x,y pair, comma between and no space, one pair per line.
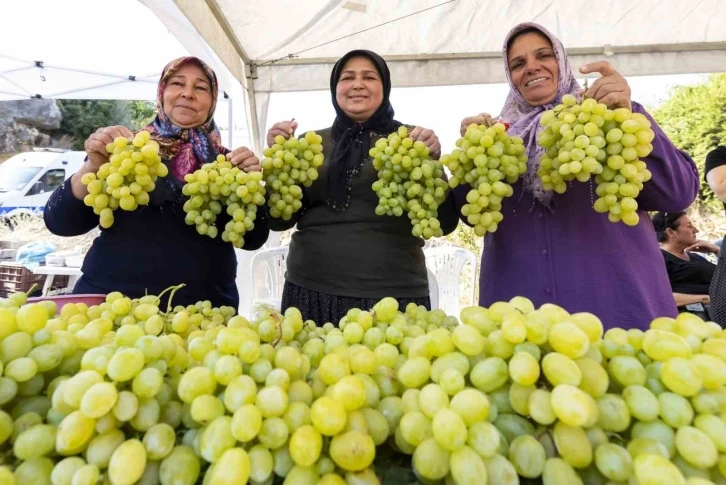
40,113
28,123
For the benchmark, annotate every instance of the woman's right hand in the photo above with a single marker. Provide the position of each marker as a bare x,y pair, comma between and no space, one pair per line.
95,145
480,119
284,128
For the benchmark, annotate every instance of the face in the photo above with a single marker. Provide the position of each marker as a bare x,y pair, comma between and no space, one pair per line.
359,91
187,97
685,234
533,68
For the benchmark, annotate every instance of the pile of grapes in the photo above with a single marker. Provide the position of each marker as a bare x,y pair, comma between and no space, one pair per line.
220,186
126,179
586,139
410,181
288,166
126,392
489,160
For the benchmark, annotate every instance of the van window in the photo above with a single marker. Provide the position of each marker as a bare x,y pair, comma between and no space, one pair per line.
13,177
50,180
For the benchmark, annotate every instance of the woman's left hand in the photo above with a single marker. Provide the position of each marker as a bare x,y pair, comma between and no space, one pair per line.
704,247
243,158
429,138
611,89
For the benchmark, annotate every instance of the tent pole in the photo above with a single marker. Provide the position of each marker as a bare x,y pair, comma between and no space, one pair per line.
254,120
230,123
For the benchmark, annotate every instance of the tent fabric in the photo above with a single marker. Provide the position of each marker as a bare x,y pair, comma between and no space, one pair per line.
289,45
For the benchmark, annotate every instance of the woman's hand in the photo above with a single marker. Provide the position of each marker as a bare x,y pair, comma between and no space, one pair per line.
283,128
611,89
429,138
95,145
243,158
480,119
704,247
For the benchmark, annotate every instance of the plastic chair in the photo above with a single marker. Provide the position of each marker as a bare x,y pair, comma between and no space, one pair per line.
267,287
447,264
433,289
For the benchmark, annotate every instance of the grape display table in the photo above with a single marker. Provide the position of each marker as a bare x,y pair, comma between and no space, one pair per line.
53,271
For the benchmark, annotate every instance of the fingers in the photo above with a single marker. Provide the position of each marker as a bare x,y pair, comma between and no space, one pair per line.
429,138
480,119
602,67
283,128
245,159
600,87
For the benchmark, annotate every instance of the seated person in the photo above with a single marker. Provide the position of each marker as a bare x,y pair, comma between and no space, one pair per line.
690,274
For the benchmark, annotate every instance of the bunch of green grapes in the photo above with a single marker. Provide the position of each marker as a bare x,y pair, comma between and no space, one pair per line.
126,179
288,166
220,186
409,180
586,139
489,160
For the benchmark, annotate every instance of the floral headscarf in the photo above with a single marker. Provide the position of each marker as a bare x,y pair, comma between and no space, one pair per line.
524,118
185,149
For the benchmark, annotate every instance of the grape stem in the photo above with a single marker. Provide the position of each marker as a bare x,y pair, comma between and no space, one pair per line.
174,289
278,326
31,290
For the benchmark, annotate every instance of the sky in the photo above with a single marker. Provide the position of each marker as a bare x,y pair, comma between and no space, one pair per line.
438,108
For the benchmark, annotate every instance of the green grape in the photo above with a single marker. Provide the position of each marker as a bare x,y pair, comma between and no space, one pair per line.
306,445
560,369
528,456
471,405
35,442
500,471
557,470
696,447
654,469
180,467
431,461
352,450
467,467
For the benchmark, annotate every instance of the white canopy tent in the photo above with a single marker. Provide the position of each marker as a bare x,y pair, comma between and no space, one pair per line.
290,45
96,49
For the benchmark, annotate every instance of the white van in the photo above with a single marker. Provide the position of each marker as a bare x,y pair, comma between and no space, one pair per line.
27,179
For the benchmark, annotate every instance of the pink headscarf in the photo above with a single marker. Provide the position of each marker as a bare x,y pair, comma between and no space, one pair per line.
524,118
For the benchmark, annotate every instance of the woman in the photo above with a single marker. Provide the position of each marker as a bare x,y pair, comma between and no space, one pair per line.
343,255
152,248
690,275
555,248
715,173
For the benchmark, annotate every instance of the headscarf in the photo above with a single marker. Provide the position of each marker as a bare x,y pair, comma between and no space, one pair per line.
524,118
185,149
351,140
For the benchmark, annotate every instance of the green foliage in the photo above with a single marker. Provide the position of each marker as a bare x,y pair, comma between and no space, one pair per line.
82,117
694,118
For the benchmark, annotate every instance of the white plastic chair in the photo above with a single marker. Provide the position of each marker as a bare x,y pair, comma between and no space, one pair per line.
433,289
447,264
267,286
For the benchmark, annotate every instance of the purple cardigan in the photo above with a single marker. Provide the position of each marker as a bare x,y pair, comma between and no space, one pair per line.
574,257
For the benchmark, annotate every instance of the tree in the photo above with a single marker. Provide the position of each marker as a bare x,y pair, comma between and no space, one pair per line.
694,117
82,117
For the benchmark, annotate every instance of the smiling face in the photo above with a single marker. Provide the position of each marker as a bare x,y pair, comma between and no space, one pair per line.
188,96
359,91
533,68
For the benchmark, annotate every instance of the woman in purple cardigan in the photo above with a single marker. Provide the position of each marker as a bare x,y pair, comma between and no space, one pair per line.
554,248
